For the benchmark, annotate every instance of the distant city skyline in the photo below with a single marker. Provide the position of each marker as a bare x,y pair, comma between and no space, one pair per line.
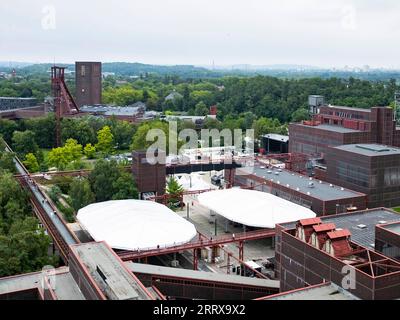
316,33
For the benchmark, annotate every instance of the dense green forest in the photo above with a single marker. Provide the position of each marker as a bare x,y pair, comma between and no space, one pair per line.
263,96
23,243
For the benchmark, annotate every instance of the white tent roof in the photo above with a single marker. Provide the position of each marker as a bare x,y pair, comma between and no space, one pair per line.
135,224
253,208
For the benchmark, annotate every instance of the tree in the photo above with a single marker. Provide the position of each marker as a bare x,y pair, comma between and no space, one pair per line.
300,115
105,140
80,193
57,158
174,189
73,150
7,128
125,187
201,109
24,143
139,141
89,151
61,157
43,128
7,162
31,163
123,132
102,179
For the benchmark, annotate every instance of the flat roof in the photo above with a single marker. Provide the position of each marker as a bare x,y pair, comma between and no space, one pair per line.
328,291
349,108
364,236
276,137
300,183
135,224
109,272
253,208
370,149
200,275
394,227
331,128
65,286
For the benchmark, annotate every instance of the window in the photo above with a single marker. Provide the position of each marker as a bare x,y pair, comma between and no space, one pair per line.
83,71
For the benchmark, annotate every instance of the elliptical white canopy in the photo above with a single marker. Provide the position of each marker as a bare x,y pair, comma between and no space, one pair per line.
135,224
253,208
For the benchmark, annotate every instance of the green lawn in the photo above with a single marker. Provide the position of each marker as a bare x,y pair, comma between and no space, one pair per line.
397,209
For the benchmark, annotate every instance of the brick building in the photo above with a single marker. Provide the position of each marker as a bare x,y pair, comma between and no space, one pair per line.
387,239
88,83
310,252
334,125
368,168
321,197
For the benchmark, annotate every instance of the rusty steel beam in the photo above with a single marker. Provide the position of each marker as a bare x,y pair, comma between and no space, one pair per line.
198,244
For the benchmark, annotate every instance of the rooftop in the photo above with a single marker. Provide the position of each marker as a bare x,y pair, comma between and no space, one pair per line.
109,272
361,224
331,128
394,227
350,108
328,291
320,190
371,150
276,137
200,275
135,224
65,286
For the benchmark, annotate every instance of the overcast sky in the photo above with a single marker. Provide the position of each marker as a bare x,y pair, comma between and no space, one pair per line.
259,32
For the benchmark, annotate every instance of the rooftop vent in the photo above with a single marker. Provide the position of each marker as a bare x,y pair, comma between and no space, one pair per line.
361,226
277,173
311,185
331,185
382,222
269,171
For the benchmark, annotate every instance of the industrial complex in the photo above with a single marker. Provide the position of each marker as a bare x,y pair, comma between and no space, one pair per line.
311,217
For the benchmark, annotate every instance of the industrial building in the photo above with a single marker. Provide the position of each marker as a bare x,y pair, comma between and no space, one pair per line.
88,81
336,125
387,239
321,197
326,249
274,143
20,108
368,168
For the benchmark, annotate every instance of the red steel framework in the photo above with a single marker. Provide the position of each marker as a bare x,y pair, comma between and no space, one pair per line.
201,242
293,161
64,103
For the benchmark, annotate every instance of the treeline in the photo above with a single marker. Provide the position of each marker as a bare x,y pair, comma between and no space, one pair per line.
261,95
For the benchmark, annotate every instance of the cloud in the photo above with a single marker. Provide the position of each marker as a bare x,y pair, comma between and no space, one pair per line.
344,32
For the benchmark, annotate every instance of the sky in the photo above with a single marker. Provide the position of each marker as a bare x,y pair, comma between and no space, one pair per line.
202,32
